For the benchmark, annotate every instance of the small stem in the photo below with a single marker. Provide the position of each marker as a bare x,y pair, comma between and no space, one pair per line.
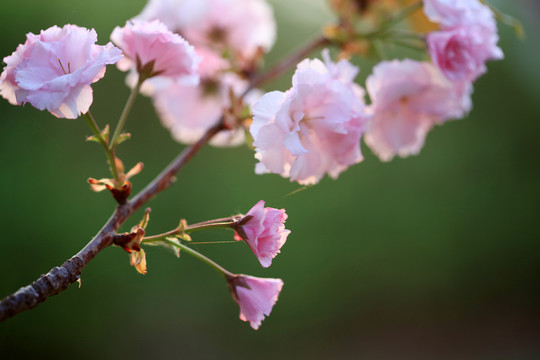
125,112
223,223
160,237
404,35
95,129
407,45
224,219
218,268
218,225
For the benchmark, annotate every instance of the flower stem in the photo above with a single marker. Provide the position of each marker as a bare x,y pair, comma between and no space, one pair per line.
97,132
218,225
224,223
203,258
125,112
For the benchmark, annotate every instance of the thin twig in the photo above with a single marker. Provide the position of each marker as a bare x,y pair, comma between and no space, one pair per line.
60,277
288,62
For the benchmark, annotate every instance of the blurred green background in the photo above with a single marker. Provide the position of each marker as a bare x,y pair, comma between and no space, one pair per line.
431,257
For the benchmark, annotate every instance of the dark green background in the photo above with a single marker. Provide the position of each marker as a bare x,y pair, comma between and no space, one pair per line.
431,257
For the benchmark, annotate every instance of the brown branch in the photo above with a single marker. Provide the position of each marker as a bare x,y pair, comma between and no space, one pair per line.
60,277
288,62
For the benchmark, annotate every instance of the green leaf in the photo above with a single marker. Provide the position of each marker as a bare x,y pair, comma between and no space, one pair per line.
104,136
121,138
181,234
145,219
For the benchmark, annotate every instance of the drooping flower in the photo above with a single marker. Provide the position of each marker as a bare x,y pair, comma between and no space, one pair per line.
153,50
315,127
255,296
408,99
467,39
53,70
263,229
240,27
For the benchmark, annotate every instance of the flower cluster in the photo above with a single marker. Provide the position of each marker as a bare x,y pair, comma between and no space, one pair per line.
263,229
315,127
312,129
230,46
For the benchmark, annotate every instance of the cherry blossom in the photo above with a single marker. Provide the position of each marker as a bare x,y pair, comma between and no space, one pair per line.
238,26
175,14
255,296
315,127
408,99
189,111
263,229
53,70
154,50
467,39
453,13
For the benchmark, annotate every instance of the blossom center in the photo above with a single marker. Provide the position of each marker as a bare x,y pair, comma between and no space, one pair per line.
217,34
64,69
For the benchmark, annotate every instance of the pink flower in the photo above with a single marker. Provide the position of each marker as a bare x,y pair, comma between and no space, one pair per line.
461,53
263,229
175,14
189,111
467,40
408,98
315,127
242,26
54,70
154,50
238,26
453,13
255,296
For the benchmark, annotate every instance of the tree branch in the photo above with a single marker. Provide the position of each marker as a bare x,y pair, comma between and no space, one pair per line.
60,277
288,61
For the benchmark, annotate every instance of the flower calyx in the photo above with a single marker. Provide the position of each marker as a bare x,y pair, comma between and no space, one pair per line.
146,71
235,280
237,114
121,188
131,242
238,227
